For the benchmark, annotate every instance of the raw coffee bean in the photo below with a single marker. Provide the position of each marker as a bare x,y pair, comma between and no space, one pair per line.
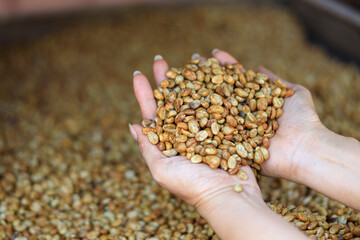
258,156
196,159
211,150
240,149
242,175
216,109
158,95
216,99
201,136
265,153
170,74
195,104
217,79
170,152
220,115
188,74
231,163
238,188
193,126
280,84
153,138
212,161
262,104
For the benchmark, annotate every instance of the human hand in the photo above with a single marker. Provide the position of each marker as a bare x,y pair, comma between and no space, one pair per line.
197,184
303,150
297,129
297,125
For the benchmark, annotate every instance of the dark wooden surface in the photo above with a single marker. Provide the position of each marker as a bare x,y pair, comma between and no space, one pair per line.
333,23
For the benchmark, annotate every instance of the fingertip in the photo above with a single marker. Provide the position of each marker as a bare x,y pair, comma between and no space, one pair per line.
195,56
160,67
261,68
136,73
198,56
223,56
214,51
158,57
138,80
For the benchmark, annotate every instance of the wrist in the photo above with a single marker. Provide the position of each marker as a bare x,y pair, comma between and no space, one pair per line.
305,149
229,212
329,163
227,197
241,215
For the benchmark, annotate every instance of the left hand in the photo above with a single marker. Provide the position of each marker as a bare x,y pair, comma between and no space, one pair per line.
195,183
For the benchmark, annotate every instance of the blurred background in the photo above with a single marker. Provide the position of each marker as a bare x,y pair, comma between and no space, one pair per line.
333,23
68,165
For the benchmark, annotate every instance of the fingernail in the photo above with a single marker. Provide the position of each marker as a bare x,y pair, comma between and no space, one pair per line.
158,57
132,131
136,73
214,51
195,56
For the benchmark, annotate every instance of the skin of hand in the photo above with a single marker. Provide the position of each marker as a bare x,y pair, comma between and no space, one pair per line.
303,150
232,215
194,183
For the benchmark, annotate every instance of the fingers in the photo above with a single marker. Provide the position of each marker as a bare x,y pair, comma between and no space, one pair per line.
160,67
272,76
197,56
223,57
150,152
144,95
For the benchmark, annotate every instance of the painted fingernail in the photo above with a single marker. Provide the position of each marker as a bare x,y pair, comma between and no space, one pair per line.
214,51
132,131
136,73
158,57
195,56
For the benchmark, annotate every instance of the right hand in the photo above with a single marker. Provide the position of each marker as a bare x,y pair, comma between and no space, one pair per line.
296,126
303,150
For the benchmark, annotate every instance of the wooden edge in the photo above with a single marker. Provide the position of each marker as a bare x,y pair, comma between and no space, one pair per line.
338,9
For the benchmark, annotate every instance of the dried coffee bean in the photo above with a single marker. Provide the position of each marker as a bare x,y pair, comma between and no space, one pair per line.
238,188
207,111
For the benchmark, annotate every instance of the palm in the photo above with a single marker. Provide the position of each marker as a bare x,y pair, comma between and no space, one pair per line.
178,173
299,117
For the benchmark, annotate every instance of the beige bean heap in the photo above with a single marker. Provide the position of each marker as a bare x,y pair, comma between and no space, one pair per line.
69,168
220,115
